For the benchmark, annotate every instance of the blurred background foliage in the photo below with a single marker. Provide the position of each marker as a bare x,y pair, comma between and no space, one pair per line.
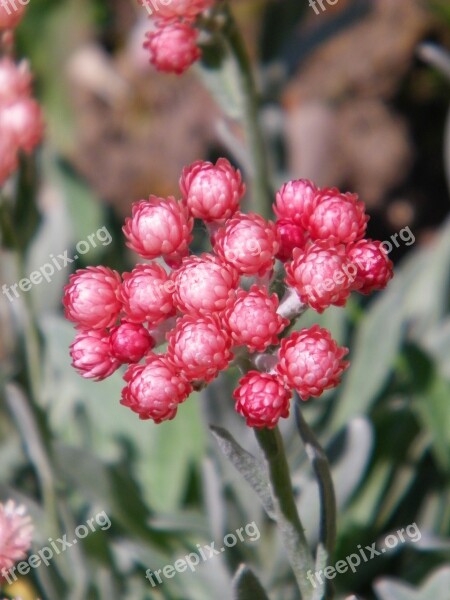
347,101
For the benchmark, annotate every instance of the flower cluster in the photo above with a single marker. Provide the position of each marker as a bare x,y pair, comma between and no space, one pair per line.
221,307
15,535
173,44
21,124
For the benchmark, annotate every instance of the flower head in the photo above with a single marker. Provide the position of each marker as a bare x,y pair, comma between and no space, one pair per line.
199,347
212,192
291,236
23,119
15,534
147,294
91,355
9,17
374,269
248,242
296,200
173,47
321,274
253,320
159,227
15,81
203,284
310,361
337,218
262,399
91,297
129,342
154,390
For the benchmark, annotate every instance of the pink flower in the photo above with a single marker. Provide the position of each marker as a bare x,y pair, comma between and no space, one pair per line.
154,390
253,320
212,192
23,119
310,361
248,242
146,294
8,155
322,275
10,16
199,347
203,284
291,236
91,355
15,535
168,10
91,297
374,269
262,399
337,218
159,227
173,47
129,342
296,200
15,81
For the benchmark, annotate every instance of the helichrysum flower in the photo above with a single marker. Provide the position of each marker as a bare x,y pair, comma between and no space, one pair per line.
16,532
374,269
130,342
262,399
173,47
212,192
296,200
91,355
310,361
9,17
291,236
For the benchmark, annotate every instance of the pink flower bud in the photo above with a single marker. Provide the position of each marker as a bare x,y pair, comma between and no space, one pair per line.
91,355
203,284
154,390
262,399
374,269
16,532
253,320
129,342
248,242
212,192
15,81
159,227
291,236
91,297
23,119
310,361
10,15
173,47
199,347
296,200
146,294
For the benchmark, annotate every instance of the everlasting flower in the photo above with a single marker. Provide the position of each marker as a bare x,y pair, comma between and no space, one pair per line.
173,47
337,218
212,192
154,390
291,236
248,242
374,269
10,17
91,355
322,275
23,119
15,535
199,347
253,320
203,284
262,399
310,361
296,200
146,294
15,81
91,297
159,227
129,342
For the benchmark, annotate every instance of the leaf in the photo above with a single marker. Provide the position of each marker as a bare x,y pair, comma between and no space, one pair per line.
246,585
436,587
252,469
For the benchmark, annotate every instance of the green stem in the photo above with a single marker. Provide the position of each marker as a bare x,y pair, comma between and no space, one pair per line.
262,188
321,468
288,520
